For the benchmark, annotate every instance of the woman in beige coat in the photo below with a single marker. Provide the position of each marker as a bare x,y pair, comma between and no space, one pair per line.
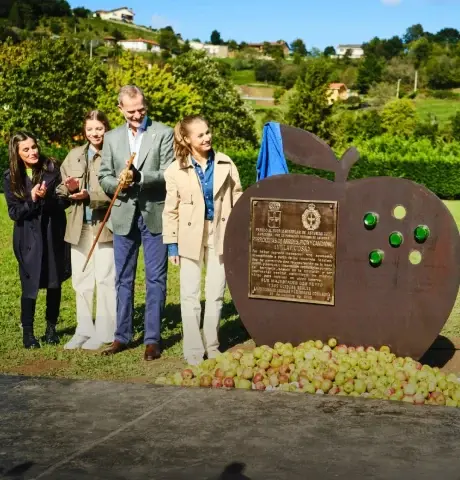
202,187
89,205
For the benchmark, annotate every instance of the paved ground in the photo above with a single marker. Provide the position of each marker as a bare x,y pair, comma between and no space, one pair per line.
62,429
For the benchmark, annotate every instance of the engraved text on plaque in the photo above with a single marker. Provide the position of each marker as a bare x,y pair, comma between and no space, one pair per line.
292,254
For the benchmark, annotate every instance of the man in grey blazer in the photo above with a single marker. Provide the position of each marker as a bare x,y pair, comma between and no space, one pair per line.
136,216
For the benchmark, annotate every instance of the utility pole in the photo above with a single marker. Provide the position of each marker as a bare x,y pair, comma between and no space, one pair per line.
397,90
416,80
91,49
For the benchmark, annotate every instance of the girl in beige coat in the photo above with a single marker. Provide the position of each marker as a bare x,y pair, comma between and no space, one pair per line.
89,205
202,187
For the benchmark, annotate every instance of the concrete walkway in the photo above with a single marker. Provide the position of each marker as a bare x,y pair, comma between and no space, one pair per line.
62,429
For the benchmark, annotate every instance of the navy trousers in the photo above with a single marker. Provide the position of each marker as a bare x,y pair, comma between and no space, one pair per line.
126,251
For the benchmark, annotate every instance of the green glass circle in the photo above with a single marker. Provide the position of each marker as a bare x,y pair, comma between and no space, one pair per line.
376,258
396,239
421,233
370,220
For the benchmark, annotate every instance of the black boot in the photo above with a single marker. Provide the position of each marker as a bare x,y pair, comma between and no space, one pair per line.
27,321
29,339
53,302
50,335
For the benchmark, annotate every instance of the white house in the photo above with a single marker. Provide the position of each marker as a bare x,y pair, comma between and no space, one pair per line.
140,45
219,51
356,51
123,14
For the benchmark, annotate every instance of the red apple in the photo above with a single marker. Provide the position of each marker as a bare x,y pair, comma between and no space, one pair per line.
260,386
228,382
187,373
217,382
258,377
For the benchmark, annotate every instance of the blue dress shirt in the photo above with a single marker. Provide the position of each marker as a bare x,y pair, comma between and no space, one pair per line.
206,179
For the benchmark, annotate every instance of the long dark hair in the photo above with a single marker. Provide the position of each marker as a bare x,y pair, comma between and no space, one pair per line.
17,167
181,148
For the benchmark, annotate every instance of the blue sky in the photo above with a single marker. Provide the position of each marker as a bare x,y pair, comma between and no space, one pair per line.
318,22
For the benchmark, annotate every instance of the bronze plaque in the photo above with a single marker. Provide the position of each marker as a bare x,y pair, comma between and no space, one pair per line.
292,252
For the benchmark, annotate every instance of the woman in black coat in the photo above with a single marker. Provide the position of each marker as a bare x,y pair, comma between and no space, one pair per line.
38,236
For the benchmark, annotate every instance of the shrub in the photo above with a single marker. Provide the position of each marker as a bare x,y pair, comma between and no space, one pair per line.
268,71
436,166
398,117
444,94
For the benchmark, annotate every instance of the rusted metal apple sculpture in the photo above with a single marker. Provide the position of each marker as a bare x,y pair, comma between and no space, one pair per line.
370,262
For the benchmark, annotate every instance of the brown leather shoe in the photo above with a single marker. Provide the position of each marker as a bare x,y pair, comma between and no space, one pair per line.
152,352
116,347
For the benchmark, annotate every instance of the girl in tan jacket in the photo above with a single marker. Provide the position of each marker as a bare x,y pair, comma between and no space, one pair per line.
89,205
202,187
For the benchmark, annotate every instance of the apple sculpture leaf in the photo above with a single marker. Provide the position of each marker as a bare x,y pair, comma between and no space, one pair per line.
373,261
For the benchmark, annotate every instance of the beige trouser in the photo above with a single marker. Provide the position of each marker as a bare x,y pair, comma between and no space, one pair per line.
99,272
190,293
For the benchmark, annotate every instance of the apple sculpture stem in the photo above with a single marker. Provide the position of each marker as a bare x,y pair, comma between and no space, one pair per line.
306,149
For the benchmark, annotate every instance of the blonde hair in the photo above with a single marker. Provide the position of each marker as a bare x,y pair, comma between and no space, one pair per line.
181,148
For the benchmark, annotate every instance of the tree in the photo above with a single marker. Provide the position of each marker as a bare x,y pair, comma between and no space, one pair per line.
185,47
81,12
384,48
22,15
419,52
273,50
448,36
8,33
231,120
47,86
455,126
399,117
442,72
168,98
329,51
232,45
168,41
309,108
413,33
216,38
298,46
369,72
117,35
268,71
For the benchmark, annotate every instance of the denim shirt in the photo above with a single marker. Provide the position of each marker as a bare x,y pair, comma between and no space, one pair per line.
206,179
88,213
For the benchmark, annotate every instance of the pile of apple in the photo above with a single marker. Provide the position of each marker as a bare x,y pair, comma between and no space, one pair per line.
314,367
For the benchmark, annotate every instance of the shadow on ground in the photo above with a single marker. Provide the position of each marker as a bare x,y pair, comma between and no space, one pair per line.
231,333
440,353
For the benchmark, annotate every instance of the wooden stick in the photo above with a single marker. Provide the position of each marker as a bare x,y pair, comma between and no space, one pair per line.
117,191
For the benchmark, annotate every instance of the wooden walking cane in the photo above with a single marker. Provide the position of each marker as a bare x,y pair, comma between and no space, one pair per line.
117,191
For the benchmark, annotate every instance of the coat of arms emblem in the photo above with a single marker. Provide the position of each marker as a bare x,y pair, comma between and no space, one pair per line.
311,218
274,215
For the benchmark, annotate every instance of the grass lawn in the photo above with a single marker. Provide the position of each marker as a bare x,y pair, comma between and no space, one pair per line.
443,109
129,365
50,360
243,77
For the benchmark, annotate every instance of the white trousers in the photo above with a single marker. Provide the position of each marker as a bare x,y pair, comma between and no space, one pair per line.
190,294
99,273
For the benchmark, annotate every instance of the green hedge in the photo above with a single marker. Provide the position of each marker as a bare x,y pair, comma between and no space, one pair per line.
436,166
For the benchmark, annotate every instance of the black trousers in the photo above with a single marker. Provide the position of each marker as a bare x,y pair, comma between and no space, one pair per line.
53,304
